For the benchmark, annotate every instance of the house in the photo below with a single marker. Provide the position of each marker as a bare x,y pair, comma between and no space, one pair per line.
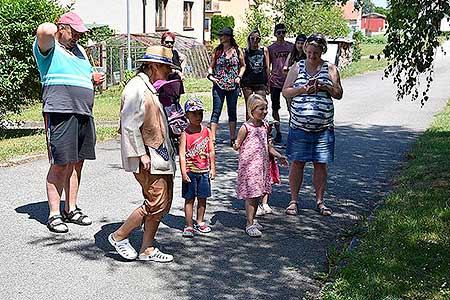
373,24
235,8
445,24
352,15
146,16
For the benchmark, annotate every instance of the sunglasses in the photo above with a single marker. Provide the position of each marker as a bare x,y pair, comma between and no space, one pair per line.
169,42
280,32
256,39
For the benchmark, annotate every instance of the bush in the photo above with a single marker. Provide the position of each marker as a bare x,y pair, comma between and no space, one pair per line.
218,22
357,37
19,78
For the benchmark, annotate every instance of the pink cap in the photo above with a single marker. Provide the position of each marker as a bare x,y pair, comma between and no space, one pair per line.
73,20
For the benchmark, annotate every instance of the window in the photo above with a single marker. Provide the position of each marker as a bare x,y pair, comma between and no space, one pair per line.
187,11
206,24
161,14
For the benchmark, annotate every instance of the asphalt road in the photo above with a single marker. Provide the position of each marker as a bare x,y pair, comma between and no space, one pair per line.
373,133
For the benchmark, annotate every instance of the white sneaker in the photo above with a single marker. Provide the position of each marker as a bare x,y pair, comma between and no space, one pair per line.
260,211
123,247
156,256
267,209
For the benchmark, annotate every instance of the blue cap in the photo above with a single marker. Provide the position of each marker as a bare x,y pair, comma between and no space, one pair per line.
193,104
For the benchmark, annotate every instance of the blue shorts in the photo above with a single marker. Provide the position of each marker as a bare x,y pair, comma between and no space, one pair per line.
310,146
199,187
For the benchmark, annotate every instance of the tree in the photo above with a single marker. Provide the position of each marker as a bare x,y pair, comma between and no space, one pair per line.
414,29
218,22
19,77
367,7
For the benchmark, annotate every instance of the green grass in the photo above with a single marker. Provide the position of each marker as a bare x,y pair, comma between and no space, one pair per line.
194,85
406,252
362,66
372,49
16,143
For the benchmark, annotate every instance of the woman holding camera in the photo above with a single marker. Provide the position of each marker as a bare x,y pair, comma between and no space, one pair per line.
312,84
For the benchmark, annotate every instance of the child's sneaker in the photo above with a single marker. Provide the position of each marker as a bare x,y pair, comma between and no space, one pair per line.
202,227
188,232
260,211
267,209
253,231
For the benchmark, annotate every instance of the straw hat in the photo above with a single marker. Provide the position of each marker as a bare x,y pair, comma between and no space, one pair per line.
158,54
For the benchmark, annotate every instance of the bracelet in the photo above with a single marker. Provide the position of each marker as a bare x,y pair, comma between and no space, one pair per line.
240,77
209,76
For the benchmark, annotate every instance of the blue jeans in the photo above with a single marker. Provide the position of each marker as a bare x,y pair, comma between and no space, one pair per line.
218,99
310,146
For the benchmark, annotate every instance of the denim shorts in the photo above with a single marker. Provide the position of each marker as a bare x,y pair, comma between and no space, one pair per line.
307,146
199,187
219,96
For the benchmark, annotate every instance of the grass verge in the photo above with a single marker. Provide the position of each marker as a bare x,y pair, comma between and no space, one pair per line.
362,66
405,253
17,143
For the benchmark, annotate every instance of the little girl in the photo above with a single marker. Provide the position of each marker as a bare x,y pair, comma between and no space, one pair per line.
253,172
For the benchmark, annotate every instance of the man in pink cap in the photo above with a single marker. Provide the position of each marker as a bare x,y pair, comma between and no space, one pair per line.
68,97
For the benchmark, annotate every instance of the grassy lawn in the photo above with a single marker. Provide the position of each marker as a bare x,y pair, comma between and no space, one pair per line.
371,49
362,66
405,253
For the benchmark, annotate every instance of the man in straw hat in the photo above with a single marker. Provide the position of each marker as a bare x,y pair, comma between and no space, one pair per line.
68,96
148,153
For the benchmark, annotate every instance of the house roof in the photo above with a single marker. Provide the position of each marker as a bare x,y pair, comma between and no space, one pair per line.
149,39
374,15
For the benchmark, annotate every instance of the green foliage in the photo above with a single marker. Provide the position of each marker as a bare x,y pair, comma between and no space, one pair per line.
97,34
357,37
218,22
382,10
406,251
19,78
262,17
367,6
413,36
307,17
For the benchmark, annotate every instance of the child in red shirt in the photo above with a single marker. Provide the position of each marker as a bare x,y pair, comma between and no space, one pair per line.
198,166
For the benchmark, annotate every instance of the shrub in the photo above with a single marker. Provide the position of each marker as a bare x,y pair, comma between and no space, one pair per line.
19,78
218,22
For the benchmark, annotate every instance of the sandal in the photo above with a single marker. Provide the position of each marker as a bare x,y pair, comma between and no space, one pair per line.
257,225
156,256
188,232
253,231
76,216
323,210
291,209
123,247
57,225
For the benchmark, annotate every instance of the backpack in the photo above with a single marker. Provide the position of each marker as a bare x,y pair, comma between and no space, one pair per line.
169,93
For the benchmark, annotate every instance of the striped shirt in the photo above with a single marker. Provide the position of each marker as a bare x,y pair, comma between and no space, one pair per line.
66,78
312,112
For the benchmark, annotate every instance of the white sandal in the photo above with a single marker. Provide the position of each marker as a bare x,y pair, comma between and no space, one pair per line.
253,231
257,225
123,247
156,256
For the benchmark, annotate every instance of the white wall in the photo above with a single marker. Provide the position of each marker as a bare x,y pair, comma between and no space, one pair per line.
114,14
445,24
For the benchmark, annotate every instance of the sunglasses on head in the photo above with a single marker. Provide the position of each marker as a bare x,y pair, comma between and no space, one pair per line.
280,32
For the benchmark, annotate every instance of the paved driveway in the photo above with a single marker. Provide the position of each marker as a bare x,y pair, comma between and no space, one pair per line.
373,133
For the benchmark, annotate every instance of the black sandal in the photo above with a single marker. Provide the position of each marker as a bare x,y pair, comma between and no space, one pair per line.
323,210
56,224
291,209
77,217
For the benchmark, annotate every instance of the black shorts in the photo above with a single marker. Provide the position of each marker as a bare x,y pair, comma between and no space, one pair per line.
275,94
70,137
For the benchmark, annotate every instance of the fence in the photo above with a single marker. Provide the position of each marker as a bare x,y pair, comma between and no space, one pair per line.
114,59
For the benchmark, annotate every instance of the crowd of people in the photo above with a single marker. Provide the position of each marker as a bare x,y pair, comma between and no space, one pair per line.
295,71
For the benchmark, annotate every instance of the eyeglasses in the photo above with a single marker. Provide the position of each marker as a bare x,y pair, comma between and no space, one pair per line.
279,32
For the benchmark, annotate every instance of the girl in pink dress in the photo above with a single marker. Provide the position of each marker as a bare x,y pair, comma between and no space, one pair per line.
253,172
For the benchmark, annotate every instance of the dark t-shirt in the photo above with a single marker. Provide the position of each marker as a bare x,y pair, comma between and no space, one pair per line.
255,70
278,54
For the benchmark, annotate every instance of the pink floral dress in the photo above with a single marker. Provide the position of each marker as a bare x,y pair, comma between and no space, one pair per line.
253,171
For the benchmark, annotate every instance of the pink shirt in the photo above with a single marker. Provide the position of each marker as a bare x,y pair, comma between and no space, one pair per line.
278,54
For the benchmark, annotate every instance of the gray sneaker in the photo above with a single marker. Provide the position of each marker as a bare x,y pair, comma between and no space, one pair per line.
253,231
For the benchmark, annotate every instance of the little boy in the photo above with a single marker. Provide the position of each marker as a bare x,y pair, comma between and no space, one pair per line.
198,166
